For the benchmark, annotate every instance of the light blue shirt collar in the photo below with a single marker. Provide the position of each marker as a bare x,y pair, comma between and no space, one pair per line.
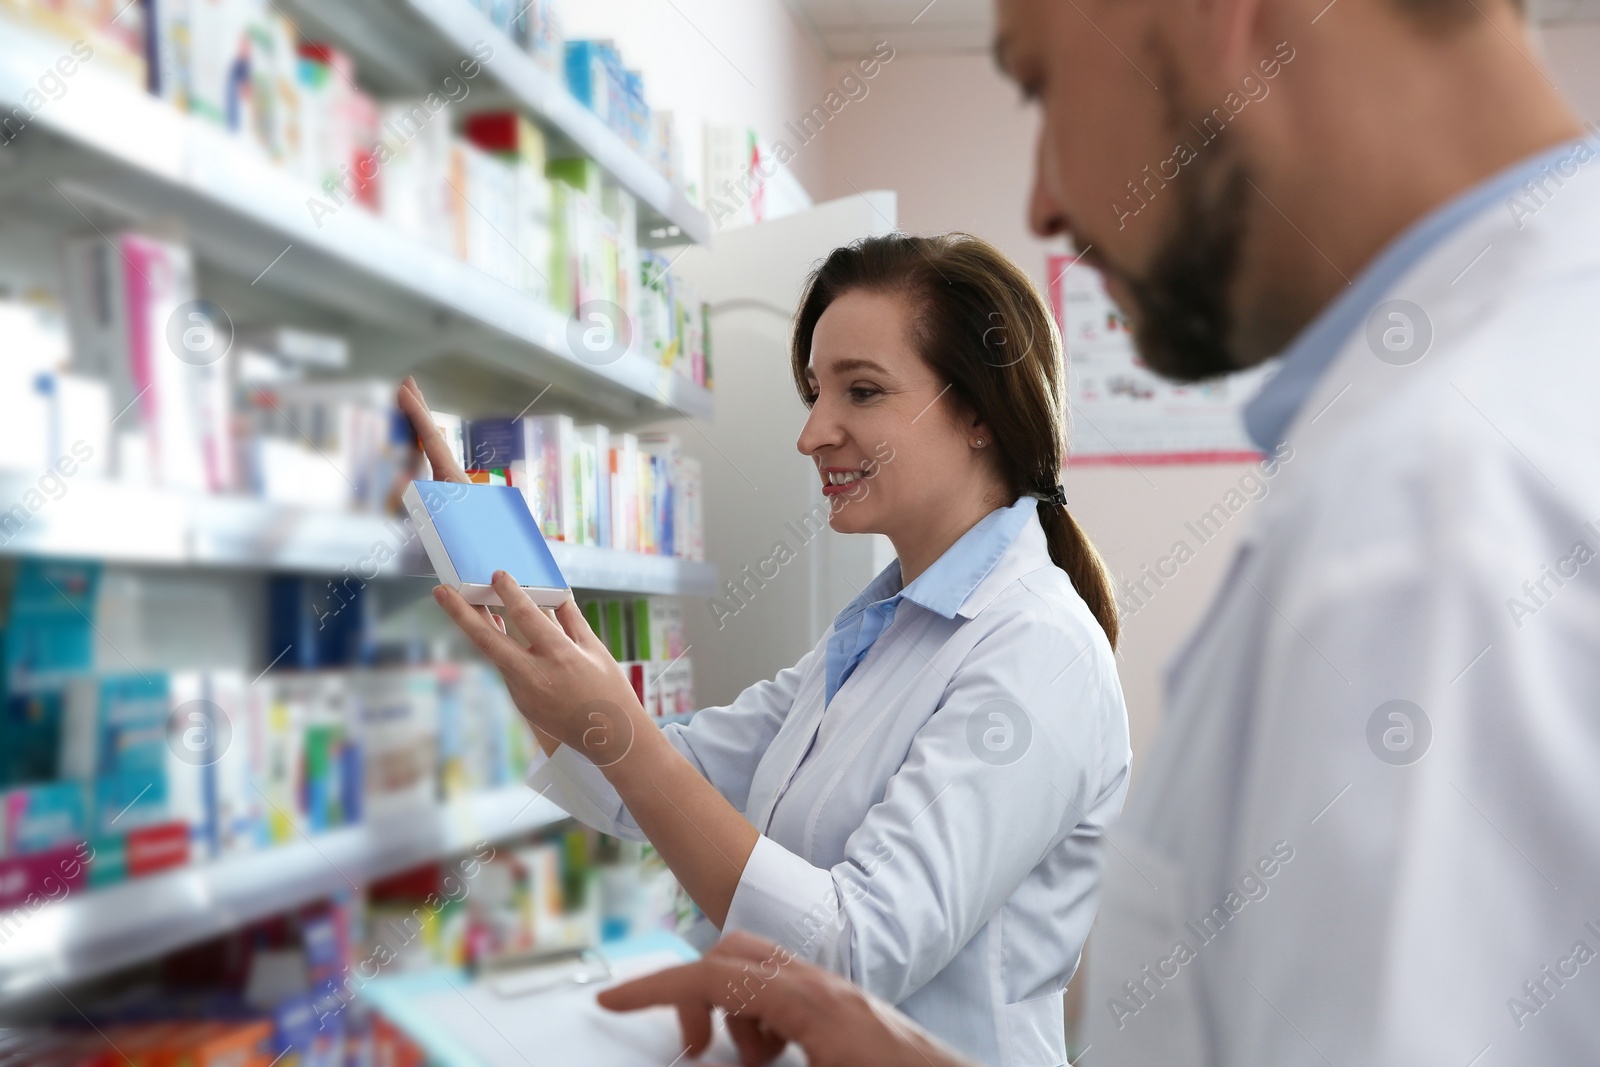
942,588
1267,417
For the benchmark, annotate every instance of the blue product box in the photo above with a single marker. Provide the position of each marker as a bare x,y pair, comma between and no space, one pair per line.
494,444
319,622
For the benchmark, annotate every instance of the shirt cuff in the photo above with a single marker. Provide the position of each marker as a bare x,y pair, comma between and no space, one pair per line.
783,898
580,789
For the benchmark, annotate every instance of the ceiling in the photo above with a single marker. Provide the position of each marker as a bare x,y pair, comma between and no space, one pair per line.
849,28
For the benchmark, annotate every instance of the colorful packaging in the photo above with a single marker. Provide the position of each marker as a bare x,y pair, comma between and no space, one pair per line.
39,818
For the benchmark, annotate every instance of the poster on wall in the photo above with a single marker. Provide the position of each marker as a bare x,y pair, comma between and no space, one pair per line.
1123,412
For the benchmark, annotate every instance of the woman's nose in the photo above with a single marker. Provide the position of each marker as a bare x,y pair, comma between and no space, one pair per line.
820,431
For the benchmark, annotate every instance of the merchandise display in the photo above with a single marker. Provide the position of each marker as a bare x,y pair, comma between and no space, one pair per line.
645,635
128,772
478,185
288,989
247,765
588,486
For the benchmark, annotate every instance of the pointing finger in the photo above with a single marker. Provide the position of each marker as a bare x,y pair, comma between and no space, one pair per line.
675,985
441,457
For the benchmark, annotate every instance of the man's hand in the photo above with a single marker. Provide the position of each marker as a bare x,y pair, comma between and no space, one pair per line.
772,999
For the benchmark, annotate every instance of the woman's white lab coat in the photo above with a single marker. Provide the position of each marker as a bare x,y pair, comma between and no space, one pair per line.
934,832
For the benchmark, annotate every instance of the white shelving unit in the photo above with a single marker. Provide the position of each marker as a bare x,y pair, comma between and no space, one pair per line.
422,34
106,154
107,146
139,525
97,932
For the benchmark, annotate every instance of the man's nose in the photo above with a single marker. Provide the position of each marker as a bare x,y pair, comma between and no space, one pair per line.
1046,217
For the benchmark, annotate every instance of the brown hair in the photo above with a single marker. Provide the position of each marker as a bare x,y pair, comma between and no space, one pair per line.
980,324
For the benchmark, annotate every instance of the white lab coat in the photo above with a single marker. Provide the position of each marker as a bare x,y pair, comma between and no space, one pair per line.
959,888
1282,895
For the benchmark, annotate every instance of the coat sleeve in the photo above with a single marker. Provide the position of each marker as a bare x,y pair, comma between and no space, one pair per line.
1005,769
724,743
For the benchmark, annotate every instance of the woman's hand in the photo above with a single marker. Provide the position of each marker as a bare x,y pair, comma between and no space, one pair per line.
563,679
571,691
446,464
772,999
446,467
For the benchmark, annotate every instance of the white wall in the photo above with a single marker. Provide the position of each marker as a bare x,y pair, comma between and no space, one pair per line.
1573,55
728,62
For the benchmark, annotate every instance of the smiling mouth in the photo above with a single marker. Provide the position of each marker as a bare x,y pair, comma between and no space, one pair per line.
840,481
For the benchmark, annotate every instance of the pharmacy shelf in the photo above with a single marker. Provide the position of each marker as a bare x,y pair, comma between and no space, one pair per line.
100,931
76,518
430,36
109,150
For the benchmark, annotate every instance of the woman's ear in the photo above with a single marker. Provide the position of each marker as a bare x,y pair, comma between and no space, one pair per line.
978,435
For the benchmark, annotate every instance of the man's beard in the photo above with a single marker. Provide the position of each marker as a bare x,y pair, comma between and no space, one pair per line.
1183,322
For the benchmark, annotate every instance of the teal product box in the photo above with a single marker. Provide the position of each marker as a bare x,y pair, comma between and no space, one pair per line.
128,801
51,630
115,724
42,817
30,735
110,863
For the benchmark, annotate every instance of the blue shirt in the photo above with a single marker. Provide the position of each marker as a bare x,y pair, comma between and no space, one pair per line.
942,588
1267,417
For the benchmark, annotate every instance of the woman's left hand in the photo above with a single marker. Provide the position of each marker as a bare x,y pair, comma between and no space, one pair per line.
563,680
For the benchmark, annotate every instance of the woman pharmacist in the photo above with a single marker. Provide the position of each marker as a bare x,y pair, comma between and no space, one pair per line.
917,804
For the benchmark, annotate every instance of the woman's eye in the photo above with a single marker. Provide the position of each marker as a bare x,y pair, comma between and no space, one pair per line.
862,392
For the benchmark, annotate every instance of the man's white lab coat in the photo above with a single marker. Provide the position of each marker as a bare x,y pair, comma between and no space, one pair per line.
1369,833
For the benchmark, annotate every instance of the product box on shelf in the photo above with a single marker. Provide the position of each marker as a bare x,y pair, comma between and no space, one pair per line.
108,33
542,35
30,733
594,74
624,470
581,469
278,711
333,781
158,749
525,243
50,634
351,428
398,709
130,308
415,194
588,486
42,817
663,452
645,636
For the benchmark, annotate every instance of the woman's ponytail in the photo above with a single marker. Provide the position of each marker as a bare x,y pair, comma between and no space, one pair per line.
1073,552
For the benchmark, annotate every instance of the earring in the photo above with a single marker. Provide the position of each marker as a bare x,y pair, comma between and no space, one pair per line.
977,442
